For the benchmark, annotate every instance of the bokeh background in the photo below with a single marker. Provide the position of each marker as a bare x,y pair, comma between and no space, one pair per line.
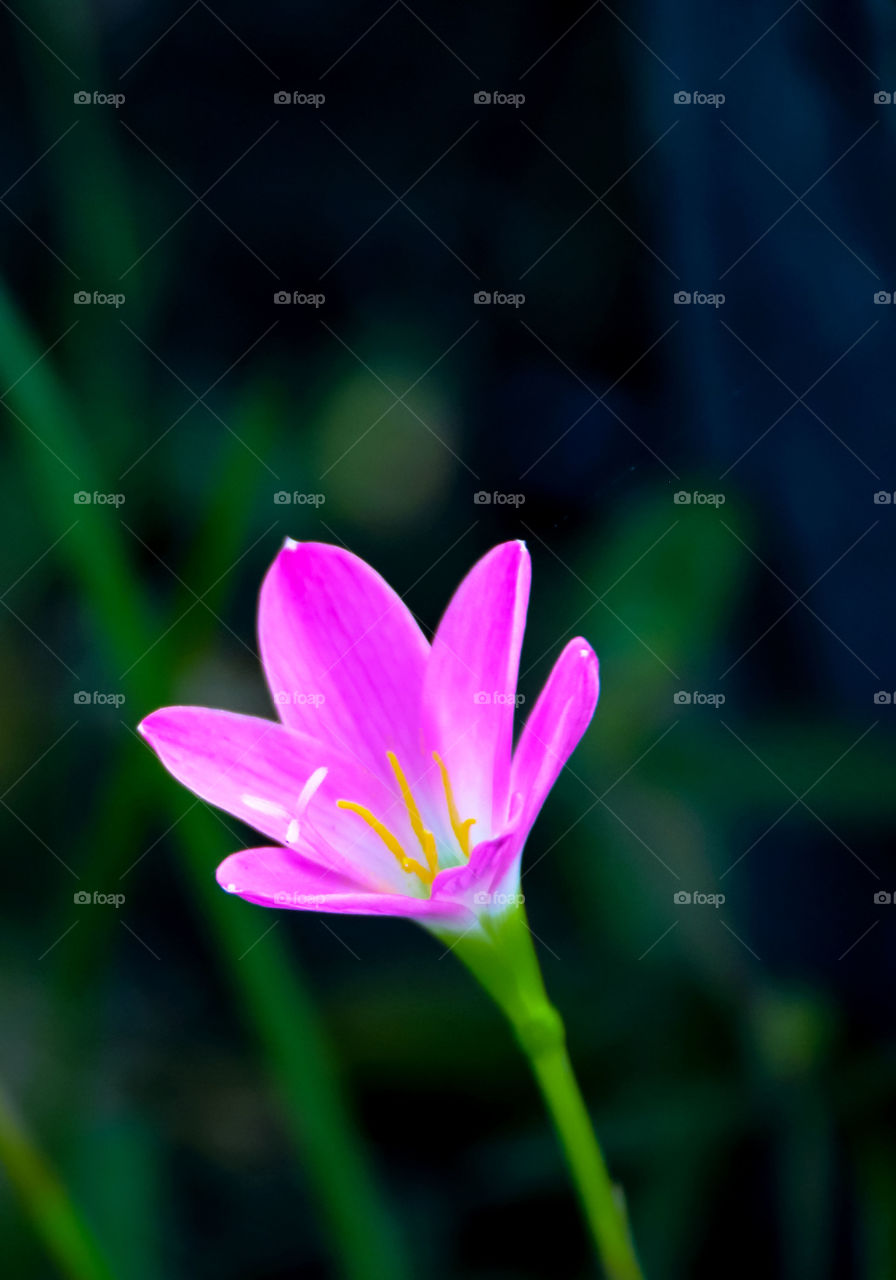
224,1092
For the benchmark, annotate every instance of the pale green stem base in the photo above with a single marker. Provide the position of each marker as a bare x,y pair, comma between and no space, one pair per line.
503,959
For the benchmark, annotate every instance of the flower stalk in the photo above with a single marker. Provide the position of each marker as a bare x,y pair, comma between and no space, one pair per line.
501,956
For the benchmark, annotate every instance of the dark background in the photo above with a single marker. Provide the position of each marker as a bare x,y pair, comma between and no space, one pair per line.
176,1058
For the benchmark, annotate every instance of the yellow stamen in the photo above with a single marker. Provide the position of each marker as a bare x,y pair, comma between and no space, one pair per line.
411,865
409,801
426,838
461,829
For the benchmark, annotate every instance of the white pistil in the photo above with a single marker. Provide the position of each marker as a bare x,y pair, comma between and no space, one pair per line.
306,795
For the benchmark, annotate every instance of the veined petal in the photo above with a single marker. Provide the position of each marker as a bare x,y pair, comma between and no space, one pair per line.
469,691
273,877
559,718
258,770
343,656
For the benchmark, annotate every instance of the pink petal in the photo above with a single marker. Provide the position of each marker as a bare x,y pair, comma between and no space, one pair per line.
343,657
470,686
279,878
559,718
257,769
473,882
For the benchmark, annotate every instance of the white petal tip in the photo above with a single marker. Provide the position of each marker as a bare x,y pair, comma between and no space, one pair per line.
231,888
289,544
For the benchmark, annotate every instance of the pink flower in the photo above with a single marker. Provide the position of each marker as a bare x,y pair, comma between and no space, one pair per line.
390,785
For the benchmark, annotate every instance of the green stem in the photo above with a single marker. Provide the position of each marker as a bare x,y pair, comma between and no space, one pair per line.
502,957
602,1203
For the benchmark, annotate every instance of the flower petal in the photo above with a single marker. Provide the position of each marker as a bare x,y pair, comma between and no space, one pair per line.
474,883
275,877
257,770
470,687
343,656
559,718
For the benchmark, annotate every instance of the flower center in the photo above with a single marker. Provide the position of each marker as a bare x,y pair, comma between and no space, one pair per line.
428,869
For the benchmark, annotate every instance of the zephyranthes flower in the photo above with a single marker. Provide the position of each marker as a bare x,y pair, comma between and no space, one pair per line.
390,785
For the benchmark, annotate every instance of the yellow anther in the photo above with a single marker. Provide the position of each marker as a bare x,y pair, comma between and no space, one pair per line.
411,865
429,849
424,836
409,801
461,829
